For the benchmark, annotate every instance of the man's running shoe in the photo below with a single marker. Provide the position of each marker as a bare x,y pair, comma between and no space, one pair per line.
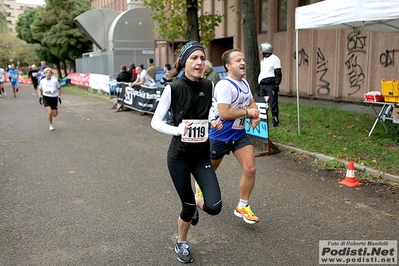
246,214
195,218
198,191
183,253
51,128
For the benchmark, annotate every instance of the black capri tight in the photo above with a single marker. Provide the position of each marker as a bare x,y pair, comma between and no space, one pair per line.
205,176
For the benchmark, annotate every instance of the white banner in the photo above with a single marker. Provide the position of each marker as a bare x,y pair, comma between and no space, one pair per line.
99,82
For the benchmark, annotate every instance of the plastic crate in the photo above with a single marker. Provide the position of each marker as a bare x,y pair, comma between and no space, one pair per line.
391,99
390,88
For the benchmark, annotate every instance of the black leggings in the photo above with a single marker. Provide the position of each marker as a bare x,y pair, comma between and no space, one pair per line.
205,176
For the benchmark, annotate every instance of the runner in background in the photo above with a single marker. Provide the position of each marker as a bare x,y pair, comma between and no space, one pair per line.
2,80
49,95
32,74
42,67
13,75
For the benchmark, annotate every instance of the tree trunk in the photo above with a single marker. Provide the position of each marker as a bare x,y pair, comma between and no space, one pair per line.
192,20
65,66
251,49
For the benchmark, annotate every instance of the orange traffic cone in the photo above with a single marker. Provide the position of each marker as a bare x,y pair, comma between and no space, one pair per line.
350,179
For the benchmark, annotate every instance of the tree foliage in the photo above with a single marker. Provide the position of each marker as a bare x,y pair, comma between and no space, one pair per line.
12,49
179,19
54,29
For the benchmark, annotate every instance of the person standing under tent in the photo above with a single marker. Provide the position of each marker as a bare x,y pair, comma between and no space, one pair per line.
269,79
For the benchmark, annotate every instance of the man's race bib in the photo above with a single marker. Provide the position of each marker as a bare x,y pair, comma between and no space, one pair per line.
239,123
197,132
34,74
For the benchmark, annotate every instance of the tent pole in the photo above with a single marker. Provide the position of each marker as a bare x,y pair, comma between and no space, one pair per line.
297,81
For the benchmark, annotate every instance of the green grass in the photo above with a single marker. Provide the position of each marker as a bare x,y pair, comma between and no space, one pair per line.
339,134
75,90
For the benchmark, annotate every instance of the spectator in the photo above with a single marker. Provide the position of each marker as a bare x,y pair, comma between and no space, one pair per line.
124,75
143,79
151,68
166,79
209,73
269,78
132,71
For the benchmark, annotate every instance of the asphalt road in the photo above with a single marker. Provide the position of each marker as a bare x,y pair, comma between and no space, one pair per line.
96,191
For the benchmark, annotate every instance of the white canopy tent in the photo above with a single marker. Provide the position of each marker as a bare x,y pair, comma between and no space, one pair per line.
372,15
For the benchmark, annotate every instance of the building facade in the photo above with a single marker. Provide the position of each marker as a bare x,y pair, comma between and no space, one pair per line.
333,65
118,5
11,10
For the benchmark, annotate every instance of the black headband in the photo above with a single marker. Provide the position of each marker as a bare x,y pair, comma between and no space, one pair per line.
188,49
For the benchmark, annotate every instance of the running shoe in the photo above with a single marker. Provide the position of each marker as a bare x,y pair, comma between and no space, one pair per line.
246,214
195,218
51,128
183,253
5,94
198,191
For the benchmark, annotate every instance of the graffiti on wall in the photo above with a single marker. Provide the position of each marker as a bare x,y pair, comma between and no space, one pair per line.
323,86
356,46
303,58
388,58
356,43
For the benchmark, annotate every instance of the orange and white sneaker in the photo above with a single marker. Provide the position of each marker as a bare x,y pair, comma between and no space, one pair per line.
246,214
198,191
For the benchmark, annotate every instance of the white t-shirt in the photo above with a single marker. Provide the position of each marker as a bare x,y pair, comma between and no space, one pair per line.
148,80
1,74
49,87
238,98
267,67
